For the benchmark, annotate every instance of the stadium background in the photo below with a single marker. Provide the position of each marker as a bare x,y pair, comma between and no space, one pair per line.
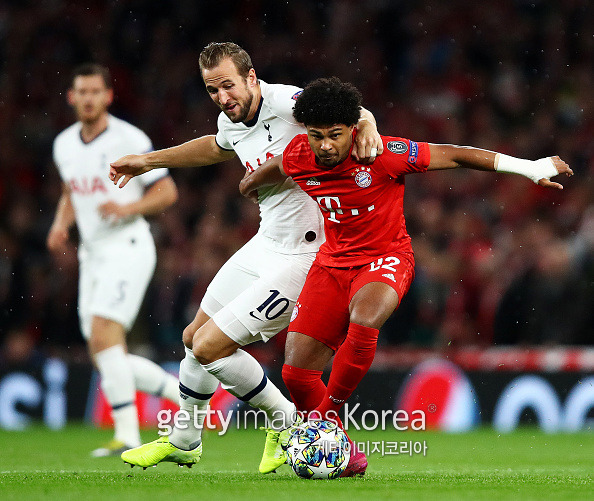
500,261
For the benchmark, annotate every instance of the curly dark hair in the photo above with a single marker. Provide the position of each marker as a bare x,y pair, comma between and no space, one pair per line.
328,101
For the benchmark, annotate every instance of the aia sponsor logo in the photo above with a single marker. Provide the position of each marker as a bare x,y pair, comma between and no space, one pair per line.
86,186
249,167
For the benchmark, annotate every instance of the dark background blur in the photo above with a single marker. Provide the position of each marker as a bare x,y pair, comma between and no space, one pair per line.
499,259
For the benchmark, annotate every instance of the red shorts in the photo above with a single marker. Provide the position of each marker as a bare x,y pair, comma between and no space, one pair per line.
322,310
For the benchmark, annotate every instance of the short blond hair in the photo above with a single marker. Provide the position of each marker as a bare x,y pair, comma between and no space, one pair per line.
215,52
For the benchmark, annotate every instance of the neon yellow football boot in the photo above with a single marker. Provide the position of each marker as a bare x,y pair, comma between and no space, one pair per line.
274,454
160,451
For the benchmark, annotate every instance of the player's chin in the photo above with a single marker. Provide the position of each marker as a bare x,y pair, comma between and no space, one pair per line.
331,161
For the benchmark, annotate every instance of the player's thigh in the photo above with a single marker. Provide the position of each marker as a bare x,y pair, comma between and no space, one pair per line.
321,311
122,276
235,276
378,288
264,308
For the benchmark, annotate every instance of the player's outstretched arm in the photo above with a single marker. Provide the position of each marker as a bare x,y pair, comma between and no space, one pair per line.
63,220
269,173
447,156
195,153
368,142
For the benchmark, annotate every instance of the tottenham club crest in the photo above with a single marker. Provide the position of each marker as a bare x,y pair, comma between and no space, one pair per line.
362,176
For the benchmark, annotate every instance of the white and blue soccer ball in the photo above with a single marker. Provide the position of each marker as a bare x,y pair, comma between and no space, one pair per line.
318,449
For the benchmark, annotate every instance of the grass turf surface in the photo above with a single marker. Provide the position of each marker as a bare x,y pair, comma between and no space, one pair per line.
527,464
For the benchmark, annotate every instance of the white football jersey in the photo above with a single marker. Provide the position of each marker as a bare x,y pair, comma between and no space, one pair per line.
290,220
85,168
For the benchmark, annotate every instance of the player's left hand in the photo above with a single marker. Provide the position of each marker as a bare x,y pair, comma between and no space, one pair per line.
562,168
113,211
368,143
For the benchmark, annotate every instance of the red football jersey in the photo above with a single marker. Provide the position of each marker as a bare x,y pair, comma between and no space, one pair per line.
361,204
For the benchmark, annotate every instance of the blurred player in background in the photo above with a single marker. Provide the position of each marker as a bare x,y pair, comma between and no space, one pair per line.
366,265
252,296
116,253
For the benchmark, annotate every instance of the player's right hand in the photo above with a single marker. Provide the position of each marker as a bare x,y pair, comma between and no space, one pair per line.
127,167
56,239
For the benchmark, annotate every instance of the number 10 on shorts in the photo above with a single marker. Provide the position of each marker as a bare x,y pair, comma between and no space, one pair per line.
273,307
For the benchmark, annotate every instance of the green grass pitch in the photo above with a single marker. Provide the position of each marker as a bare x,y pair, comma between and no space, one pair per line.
527,464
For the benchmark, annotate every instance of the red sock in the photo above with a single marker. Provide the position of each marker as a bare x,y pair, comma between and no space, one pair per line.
305,386
351,363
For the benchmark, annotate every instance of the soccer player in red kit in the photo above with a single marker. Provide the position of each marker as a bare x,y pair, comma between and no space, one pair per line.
366,266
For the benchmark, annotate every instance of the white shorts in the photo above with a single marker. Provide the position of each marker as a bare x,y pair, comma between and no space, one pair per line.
252,296
113,279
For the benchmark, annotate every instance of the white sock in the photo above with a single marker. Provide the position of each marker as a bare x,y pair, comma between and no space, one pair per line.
196,387
117,383
152,378
243,376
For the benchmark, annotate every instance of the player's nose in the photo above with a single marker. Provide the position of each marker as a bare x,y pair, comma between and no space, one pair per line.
223,96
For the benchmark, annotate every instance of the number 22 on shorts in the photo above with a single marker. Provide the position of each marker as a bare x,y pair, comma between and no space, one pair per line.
387,263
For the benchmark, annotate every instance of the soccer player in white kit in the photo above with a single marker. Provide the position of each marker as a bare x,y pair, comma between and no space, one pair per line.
116,252
252,297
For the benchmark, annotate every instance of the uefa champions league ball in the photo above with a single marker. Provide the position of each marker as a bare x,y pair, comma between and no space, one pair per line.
318,449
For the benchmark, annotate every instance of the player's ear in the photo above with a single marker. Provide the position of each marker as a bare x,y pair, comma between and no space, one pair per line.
109,98
252,79
70,97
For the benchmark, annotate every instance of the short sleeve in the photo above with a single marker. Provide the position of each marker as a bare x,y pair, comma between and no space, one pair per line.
404,156
221,138
137,140
281,99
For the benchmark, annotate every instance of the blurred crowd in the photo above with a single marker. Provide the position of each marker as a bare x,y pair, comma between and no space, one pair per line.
499,259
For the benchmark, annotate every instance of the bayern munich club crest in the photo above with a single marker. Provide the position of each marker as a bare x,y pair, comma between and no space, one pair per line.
362,176
295,311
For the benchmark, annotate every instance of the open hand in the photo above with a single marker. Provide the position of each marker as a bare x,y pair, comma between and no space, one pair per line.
562,168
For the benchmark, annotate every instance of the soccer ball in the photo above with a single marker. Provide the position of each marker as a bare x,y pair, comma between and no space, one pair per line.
318,449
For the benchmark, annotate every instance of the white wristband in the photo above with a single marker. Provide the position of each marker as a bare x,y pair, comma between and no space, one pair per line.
532,169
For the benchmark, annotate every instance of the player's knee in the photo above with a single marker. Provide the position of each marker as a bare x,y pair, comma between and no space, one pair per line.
368,318
98,343
203,350
188,336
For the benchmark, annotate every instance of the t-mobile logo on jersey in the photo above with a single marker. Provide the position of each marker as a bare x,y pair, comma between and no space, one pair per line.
332,205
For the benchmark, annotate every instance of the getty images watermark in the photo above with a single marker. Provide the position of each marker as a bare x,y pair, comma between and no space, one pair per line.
244,419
